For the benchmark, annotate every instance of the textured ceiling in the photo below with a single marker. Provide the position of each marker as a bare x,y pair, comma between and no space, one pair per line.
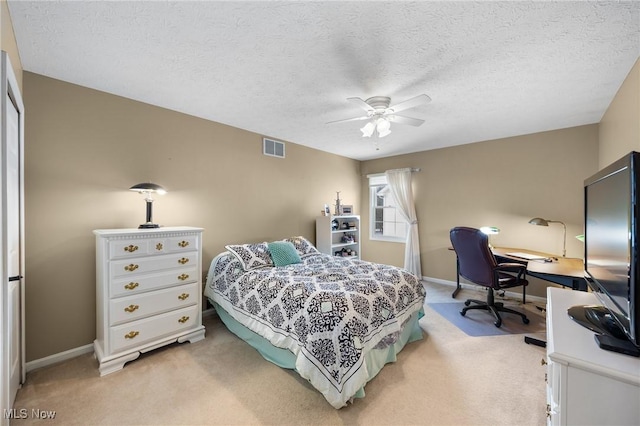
285,69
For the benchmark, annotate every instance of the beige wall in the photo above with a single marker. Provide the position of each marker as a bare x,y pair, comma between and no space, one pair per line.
501,183
620,125
8,41
85,148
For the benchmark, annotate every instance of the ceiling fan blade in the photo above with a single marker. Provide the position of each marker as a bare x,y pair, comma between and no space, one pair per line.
349,119
401,119
410,103
362,104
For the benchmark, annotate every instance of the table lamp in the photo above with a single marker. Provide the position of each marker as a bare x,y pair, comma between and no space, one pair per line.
147,189
489,231
545,222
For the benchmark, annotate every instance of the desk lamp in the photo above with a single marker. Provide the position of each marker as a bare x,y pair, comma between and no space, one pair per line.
489,231
146,189
545,222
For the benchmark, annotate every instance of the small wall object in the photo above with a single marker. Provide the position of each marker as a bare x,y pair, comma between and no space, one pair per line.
347,209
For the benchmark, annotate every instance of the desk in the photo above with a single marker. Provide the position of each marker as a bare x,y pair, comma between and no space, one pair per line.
568,272
565,271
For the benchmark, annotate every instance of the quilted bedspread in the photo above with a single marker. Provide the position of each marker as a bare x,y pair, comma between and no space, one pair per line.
328,311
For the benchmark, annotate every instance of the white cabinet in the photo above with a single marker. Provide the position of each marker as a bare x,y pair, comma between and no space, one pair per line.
338,235
586,385
148,291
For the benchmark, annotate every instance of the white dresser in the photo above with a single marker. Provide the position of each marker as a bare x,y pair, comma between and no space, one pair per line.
586,385
148,291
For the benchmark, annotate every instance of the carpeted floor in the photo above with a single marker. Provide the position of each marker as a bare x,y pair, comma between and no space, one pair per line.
448,378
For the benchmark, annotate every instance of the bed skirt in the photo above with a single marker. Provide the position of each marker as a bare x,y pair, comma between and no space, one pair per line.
375,359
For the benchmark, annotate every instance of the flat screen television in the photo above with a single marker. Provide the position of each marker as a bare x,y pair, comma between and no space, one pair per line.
611,232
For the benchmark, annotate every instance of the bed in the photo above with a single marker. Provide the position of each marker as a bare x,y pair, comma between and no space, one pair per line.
336,321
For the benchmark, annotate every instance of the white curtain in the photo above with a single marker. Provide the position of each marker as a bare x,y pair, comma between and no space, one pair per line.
399,182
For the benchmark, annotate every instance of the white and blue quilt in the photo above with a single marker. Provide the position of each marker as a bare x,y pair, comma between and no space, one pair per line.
328,311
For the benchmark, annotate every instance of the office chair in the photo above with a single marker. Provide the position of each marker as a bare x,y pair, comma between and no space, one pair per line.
476,263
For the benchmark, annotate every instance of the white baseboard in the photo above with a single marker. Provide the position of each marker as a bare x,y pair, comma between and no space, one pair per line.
59,357
72,353
510,294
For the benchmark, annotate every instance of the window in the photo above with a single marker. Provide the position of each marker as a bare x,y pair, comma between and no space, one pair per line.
386,222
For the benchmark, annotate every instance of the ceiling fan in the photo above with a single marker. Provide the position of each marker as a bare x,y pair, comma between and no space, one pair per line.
381,115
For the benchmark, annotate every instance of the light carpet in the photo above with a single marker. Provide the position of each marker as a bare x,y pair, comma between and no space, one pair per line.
481,323
448,378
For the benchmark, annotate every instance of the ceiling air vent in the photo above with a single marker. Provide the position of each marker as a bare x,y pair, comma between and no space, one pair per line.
272,148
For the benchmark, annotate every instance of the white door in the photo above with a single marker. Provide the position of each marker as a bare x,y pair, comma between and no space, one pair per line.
12,362
13,245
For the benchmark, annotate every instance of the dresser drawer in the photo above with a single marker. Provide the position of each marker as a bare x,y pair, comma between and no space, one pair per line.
121,249
135,266
127,286
146,330
125,309
183,243
134,247
128,248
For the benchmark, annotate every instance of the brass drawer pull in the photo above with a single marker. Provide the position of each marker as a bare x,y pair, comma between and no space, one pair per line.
131,248
183,320
131,308
159,246
183,260
183,243
543,362
131,267
131,286
183,277
131,334
183,296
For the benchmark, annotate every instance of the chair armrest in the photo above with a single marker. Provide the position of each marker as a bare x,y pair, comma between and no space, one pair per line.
519,268
511,266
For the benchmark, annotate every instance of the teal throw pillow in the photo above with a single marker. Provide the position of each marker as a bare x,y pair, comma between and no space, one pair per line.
283,253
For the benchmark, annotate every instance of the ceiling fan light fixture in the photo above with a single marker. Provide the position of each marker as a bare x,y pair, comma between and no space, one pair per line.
368,129
384,127
380,114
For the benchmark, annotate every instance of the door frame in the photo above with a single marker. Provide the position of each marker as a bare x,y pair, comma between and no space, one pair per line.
9,87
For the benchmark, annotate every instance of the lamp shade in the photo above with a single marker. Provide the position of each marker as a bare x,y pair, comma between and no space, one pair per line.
539,221
490,230
148,187
384,127
368,129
